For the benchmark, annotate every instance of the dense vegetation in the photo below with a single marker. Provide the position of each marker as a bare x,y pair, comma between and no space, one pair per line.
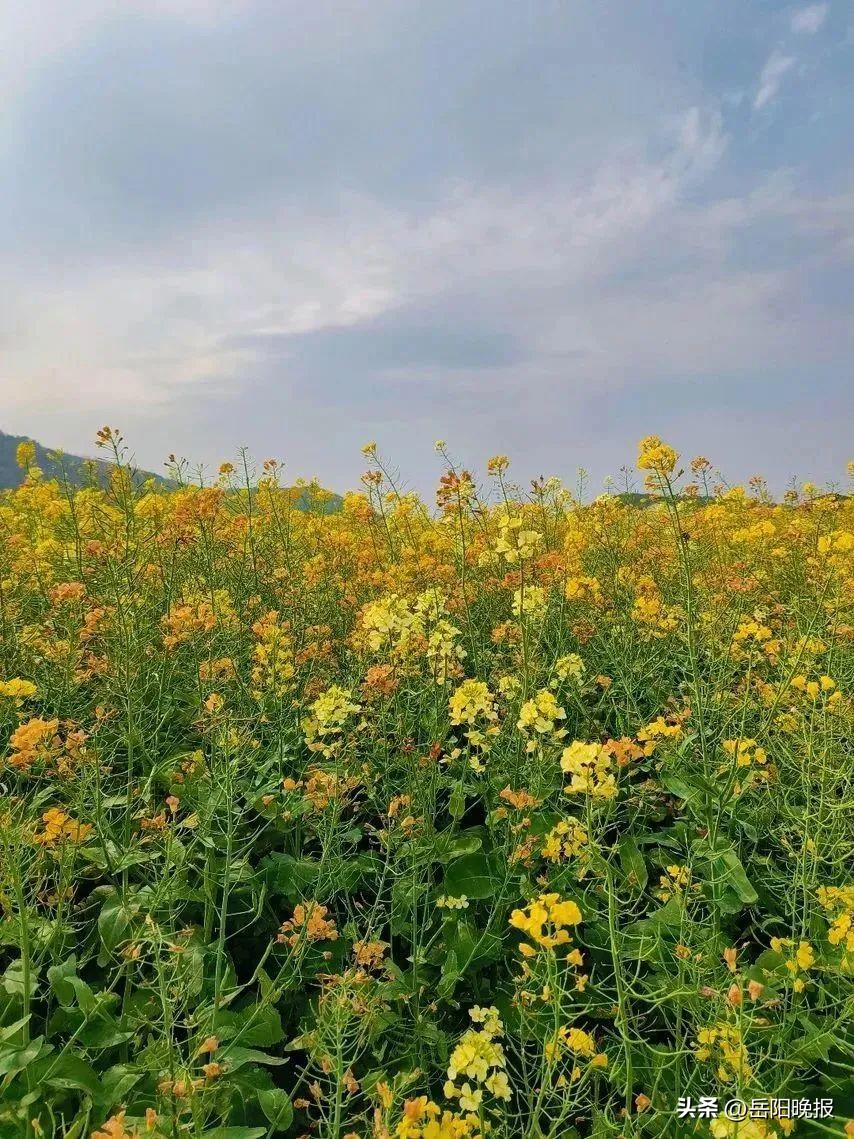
519,817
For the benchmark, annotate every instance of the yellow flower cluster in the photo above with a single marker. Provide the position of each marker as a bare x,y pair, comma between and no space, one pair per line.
412,629
569,667
515,544
386,622
673,882
745,752
424,1119
650,736
272,658
722,1045
838,903
567,839
580,1044
649,612
546,921
530,602
824,688
327,718
798,959
589,768
751,639
449,902
581,588
34,742
25,454
472,707
653,455
18,690
195,616
114,1127
479,1061
539,718
444,653
470,703
309,923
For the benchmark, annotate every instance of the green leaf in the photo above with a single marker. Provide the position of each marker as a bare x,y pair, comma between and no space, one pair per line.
472,876
447,846
633,864
669,915
680,787
237,1056
277,1107
728,872
115,1083
265,984
12,1029
13,979
60,976
257,1025
300,878
293,877
769,959
642,940
472,946
83,993
450,975
75,1131
737,877
113,923
70,1072
104,1030
235,1133
14,1060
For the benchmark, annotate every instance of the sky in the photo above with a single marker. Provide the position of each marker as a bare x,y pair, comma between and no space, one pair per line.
541,229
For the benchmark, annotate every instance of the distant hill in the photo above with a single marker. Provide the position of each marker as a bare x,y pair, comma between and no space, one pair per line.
77,469
80,471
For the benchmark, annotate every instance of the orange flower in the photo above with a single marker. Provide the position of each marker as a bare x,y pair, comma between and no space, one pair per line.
309,923
59,827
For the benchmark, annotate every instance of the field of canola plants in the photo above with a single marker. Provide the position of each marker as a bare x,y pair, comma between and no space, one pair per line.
515,816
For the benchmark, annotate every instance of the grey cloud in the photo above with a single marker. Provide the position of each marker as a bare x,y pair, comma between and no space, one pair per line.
150,124
407,338
302,225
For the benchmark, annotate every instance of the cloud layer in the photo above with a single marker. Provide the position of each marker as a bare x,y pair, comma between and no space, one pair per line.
298,227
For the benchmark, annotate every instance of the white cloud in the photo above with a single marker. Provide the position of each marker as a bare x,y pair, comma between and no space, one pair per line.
616,269
808,20
771,77
548,263
606,281
140,331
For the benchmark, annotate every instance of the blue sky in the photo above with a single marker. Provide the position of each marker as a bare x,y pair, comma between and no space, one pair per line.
542,229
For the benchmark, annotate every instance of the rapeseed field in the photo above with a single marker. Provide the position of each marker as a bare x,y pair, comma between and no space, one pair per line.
508,815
